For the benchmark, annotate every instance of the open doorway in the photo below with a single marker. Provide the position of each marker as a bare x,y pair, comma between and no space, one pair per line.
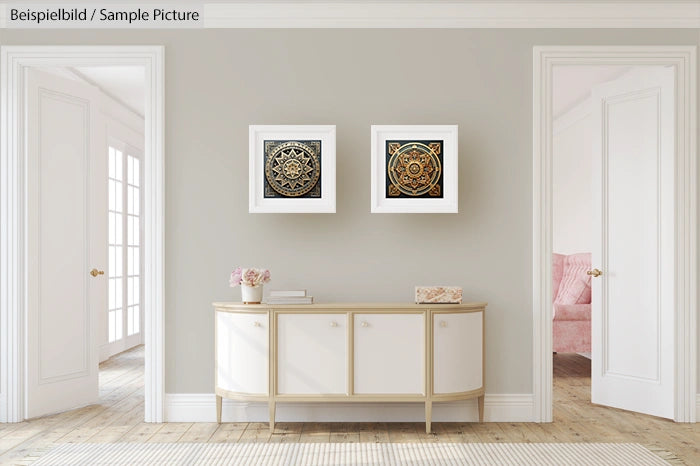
85,142
87,123
572,225
612,254
640,269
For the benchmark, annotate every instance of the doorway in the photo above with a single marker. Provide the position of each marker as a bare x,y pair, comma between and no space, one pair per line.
683,268
612,146
15,310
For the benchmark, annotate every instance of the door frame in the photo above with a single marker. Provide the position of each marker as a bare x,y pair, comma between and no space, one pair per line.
683,58
14,60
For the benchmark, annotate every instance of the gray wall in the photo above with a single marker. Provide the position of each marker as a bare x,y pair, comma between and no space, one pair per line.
220,81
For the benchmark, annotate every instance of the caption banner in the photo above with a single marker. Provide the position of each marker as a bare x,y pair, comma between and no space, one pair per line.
26,15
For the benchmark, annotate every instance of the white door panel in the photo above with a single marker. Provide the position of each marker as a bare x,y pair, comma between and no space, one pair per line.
633,303
64,223
242,352
457,352
389,353
311,353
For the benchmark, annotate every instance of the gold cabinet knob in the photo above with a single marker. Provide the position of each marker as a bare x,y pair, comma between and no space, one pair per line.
334,324
365,324
256,324
595,273
443,323
95,272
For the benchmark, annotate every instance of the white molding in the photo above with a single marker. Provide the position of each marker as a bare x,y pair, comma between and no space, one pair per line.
107,95
458,14
201,407
571,116
683,58
13,61
12,257
697,407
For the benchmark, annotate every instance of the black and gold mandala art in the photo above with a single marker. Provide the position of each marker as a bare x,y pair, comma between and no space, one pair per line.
414,169
292,169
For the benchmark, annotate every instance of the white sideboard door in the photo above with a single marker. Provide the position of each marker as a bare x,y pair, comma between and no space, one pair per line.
312,354
389,353
242,352
457,352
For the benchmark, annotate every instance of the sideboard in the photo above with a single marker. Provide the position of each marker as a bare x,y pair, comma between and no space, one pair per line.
349,352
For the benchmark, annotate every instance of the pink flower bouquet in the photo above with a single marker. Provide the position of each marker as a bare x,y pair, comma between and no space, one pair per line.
249,276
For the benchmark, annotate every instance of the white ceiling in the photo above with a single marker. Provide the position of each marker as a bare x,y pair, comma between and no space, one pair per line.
573,83
124,83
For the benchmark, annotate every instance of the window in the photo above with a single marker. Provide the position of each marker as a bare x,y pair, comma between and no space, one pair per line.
124,300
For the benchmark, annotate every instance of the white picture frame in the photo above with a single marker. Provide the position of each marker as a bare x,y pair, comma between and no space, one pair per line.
380,202
257,202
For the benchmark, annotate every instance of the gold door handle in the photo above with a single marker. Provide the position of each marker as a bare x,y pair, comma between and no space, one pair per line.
95,272
595,273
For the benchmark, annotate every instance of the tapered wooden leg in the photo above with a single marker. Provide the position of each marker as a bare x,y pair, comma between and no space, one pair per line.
218,409
481,408
272,415
428,415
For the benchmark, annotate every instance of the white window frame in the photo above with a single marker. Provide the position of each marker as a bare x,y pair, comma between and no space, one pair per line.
116,139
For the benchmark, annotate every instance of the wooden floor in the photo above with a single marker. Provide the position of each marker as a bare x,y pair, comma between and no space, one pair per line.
118,418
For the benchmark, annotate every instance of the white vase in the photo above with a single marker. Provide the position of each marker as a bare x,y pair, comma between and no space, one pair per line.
251,294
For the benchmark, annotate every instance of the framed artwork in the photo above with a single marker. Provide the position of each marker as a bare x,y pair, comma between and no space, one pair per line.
414,168
291,169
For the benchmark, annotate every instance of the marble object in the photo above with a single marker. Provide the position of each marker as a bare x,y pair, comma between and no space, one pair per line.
439,294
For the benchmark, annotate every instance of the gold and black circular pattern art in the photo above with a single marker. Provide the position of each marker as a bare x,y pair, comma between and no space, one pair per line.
292,169
414,169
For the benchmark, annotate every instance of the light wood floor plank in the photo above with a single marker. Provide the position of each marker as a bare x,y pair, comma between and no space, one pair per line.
199,432
170,432
228,432
256,432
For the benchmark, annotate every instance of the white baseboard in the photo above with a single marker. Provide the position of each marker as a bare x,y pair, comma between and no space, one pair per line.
201,407
697,407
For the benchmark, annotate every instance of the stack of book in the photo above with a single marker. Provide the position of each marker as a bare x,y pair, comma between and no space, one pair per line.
289,297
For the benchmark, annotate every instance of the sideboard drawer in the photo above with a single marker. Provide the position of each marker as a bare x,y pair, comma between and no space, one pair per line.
312,354
389,353
457,352
243,352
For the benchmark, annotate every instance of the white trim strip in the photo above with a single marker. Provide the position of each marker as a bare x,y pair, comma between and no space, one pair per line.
201,407
571,117
464,14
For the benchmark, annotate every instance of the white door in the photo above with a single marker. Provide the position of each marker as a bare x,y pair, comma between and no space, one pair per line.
66,230
311,354
389,354
633,217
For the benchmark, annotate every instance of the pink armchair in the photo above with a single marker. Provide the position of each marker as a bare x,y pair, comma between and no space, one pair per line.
571,294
